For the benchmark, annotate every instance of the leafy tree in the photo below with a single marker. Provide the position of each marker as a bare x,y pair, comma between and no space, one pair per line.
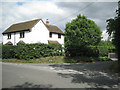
113,29
107,44
80,33
105,47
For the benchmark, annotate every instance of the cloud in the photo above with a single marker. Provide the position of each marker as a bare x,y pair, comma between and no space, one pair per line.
58,13
96,11
86,0
24,0
105,35
28,11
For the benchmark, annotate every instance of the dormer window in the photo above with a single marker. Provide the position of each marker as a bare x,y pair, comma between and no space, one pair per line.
22,34
9,35
50,34
59,35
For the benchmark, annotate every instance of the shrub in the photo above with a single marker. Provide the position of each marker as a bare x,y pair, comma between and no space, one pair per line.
32,51
8,51
103,51
88,51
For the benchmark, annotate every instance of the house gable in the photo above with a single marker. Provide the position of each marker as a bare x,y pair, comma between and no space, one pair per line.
35,31
39,33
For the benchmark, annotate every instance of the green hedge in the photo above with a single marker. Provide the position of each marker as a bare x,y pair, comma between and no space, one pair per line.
8,51
101,51
89,51
31,51
82,51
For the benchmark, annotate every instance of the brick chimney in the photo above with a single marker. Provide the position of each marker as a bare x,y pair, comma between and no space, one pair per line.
47,22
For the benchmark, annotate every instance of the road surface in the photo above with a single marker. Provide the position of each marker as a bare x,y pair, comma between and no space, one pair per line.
94,75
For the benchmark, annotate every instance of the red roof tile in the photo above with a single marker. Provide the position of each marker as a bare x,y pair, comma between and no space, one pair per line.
53,42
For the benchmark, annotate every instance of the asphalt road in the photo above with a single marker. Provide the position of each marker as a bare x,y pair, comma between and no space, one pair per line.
94,75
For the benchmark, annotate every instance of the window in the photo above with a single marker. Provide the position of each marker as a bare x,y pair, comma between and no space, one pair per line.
9,36
50,34
22,34
59,35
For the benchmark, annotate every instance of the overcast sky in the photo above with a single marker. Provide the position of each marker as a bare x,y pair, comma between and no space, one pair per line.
58,13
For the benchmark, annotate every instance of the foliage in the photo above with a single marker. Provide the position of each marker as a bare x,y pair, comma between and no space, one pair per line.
85,59
103,51
81,33
31,51
7,51
113,29
105,47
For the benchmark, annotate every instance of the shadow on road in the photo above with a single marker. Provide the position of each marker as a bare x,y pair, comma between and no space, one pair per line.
94,74
31,85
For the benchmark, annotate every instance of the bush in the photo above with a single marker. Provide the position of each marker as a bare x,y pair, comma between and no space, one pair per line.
8,51
104,59
103,51
88,51
31,51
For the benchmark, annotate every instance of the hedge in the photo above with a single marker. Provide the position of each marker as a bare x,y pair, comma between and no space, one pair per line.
8,51
102,51
31,51
89,51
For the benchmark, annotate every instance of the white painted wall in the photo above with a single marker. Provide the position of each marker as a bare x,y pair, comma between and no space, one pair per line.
39,34
55,38
5,38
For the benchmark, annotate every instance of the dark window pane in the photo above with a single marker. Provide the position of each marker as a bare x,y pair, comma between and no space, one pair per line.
59,35
50,34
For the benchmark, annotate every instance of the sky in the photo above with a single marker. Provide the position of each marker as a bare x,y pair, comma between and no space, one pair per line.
58,12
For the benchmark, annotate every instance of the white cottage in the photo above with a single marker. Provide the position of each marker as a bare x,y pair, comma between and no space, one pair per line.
34,31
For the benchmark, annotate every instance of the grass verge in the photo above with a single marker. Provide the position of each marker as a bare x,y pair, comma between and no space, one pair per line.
58,60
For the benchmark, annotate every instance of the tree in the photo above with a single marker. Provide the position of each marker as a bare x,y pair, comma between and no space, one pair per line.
80,33
113,29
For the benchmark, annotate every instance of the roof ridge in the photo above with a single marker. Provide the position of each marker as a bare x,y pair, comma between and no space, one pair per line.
26,25
27,21
50,25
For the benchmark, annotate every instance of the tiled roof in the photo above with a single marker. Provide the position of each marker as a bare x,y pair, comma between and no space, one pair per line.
22,26
54,29
30,24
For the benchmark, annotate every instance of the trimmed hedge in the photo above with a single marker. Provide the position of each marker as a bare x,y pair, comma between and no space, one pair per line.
31,51
8,51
